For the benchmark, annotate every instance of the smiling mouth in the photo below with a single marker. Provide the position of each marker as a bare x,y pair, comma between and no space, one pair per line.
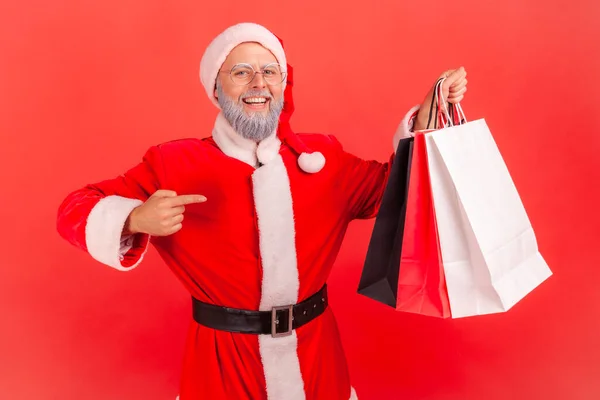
256,101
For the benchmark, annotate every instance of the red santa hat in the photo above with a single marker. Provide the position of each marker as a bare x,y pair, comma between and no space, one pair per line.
214,57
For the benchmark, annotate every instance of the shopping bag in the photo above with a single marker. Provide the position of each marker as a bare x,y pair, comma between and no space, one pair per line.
379,278
489,249
421,283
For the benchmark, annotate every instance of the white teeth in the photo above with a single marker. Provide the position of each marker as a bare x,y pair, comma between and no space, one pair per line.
259,100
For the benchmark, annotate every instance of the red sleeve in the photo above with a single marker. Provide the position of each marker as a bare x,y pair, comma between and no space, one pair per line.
362,183
92,218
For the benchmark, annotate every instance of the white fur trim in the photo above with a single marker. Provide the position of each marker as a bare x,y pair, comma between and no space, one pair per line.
268,149
405,128
313,162
243,149
282,367
353,395
104,227
218,50
273,200
280,282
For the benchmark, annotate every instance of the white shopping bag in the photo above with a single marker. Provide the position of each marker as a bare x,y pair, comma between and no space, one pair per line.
489,249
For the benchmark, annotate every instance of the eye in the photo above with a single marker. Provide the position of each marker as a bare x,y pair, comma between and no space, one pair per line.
242,71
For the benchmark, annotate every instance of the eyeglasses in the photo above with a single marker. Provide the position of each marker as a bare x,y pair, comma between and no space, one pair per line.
243,74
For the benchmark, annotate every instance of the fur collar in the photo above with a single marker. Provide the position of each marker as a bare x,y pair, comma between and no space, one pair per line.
243,149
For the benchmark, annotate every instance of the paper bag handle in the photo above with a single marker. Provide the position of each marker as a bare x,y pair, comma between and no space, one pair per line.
447,118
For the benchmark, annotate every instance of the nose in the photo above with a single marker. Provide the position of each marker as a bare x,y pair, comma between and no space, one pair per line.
259,81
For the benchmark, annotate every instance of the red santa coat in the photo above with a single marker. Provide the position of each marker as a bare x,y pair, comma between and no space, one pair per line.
267,236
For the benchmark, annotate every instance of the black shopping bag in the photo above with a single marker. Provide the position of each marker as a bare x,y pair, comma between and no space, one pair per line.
379,278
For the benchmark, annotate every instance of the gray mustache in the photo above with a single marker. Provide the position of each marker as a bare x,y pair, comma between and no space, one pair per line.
256,93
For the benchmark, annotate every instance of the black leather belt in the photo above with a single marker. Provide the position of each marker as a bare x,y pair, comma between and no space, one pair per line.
279,321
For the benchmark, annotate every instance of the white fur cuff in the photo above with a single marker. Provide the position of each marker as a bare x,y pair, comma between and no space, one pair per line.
104,227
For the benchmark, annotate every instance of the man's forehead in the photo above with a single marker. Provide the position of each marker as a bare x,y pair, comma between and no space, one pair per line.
250,52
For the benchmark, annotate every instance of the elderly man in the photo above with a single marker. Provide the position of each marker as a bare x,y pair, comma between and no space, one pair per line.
265,212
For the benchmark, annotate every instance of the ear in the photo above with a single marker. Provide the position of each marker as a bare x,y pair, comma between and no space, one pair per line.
215,91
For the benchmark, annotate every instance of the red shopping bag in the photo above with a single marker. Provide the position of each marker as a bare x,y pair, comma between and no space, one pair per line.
421,283
403,267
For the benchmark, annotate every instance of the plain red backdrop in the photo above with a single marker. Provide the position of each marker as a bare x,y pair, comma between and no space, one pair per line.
87,86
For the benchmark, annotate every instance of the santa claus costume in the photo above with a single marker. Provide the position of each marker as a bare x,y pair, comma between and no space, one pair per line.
260,248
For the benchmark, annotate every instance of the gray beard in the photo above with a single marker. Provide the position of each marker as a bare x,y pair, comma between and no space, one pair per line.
256,126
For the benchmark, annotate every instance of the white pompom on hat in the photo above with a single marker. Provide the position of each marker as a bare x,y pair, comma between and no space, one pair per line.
308,160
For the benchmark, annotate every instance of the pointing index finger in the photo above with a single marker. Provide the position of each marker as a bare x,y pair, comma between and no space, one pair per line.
188,199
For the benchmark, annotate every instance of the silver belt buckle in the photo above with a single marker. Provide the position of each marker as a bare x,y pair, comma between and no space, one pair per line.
275,321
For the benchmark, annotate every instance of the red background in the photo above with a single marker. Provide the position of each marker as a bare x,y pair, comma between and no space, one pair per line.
87,86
